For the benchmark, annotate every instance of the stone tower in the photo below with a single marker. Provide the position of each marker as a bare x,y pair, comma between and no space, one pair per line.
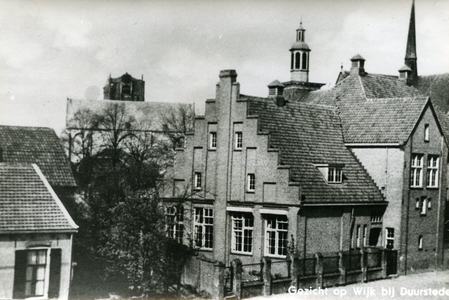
125,87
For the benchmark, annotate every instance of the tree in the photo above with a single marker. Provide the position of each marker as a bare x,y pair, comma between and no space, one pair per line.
176,122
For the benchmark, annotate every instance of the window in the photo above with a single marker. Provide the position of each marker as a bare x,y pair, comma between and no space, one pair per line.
423,206
242,233
238,140
35,273
432,170
198,180
297,59
175,223
271,91
389,238
364,235
416,170
420,242
418,203
213,140
304,61
376,218
334,175
276,230
426,133
429,203
204,227
293,61
251,184
358,236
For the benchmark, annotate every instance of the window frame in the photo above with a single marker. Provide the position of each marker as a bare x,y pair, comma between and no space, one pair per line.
175,222
251,183
335,174
423,210
238,145
426,133
212,140
280,236
246,231
198,181
433,163
45,280
389,238
420,242
200,224
416,170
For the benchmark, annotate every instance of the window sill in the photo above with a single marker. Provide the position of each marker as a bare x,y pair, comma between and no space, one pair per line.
275,256
212,149
204,249
416,187
241,253
238,150
250,192
433,187
197,189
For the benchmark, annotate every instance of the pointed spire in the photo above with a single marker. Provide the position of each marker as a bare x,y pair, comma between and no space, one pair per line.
410,53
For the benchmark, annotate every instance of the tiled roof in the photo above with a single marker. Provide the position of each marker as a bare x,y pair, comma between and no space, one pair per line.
28,203
375,108
37,145
311,134
437,88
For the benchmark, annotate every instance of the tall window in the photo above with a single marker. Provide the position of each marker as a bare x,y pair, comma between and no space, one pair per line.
358,236
251,182
35,273
304,61
198,180
334,175
293,61
423,205
238,140
204,227
416,170
213,140
242,233
389,238
426,132
276,236
297,59
175,222
432,170
364,235
420,242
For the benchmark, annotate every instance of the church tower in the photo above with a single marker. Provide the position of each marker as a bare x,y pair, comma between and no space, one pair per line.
410,54
300,52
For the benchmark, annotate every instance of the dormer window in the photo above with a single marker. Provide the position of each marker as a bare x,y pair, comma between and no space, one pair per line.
334,175
272,91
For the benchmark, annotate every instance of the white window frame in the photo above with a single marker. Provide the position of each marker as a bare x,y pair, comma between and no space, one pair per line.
335,175
46,280
198,180
278,235
416,170
238,140
426,132
213,140
203,224
175,222
251,182
389,237
242,233
432,170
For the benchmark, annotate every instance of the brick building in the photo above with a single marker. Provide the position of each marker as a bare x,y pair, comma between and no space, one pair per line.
125,87
304,170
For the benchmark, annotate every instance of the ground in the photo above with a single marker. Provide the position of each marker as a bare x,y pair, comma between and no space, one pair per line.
417,287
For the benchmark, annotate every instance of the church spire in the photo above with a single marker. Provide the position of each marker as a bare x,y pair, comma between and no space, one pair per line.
410,54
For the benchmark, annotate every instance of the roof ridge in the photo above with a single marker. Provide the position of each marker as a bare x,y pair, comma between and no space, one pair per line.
363,88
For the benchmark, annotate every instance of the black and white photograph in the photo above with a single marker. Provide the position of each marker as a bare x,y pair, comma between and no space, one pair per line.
212,149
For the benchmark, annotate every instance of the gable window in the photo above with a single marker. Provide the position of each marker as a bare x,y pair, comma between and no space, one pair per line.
204,227
417,170
426,133
175,223
198,180
432,170
242,233
238,140
251,184
389,238
213,140
276,231
334,175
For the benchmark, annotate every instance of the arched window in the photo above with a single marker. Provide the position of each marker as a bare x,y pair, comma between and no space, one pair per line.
304,61
293,60
126,91
297,58
299,36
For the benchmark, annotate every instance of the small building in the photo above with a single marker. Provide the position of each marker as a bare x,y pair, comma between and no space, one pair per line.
36,234
125,88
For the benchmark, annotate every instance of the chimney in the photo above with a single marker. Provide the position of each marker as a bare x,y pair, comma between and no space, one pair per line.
358,65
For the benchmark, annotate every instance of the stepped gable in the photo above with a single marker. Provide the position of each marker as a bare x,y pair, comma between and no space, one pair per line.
39,145
307,135
28,203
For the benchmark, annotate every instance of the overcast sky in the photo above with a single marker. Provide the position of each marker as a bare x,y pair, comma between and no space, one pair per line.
51,50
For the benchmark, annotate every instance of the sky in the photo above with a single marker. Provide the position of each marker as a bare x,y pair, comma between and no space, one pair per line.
54,50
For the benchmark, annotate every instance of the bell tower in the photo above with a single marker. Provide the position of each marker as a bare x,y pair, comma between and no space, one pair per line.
300,51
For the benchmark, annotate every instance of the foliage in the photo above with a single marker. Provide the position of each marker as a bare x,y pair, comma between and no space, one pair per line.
176,122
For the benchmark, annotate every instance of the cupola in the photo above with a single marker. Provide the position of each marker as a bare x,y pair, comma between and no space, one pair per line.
300,57
405,74
358,65
275,91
